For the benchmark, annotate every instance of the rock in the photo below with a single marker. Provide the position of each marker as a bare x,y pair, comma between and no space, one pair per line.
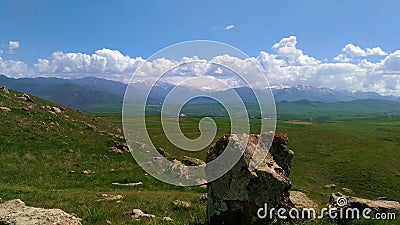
128,184
189,161
236,197
87,172
330,186
182,204
5,90
115,150
203,197
28,108
71,172
339,200
5,109
122,146
162,152
17,213
137,213
300,201
178,169
56,110
167,218
28,98
111,198
347,190
108,222
91,127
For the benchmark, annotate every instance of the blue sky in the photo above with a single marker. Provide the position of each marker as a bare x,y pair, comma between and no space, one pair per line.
140,28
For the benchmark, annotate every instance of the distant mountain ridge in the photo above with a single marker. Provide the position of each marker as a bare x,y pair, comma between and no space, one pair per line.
93,93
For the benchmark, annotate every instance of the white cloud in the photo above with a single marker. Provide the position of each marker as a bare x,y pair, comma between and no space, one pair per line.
286,65
376,51
13,45
342,58
230,27
354,50
14,68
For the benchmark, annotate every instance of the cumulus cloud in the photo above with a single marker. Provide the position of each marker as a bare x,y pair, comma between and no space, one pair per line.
230,27
285,65
104,63
354,50
14,68
376,51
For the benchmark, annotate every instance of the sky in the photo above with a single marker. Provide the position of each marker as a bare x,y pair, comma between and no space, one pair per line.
350,45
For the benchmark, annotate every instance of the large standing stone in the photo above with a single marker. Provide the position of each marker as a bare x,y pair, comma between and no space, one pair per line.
236,197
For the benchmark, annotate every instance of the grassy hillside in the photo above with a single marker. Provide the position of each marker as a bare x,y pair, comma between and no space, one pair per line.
39,149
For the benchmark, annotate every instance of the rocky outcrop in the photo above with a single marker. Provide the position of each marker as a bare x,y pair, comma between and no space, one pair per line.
17,213
236,197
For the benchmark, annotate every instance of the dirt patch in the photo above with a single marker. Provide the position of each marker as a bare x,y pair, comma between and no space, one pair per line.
299,122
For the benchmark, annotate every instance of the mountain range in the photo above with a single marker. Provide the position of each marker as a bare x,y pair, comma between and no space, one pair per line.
98,94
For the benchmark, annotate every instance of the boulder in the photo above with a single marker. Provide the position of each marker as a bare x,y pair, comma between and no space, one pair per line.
5,90
339,200
17,213
236,197
303,204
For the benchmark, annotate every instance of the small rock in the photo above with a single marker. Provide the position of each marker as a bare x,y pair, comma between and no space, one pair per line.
108,222
56,110
5,109
28,108
167,218
347,190
192,161
128,184
182,204
91,127
162,152
177,169
86,172
28,98
5,90
330,186
137,213
111,198
115,150
71,172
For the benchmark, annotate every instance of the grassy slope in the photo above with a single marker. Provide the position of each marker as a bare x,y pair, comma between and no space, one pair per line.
35,165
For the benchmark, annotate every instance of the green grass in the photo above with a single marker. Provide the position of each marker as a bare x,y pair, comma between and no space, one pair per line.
360,153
